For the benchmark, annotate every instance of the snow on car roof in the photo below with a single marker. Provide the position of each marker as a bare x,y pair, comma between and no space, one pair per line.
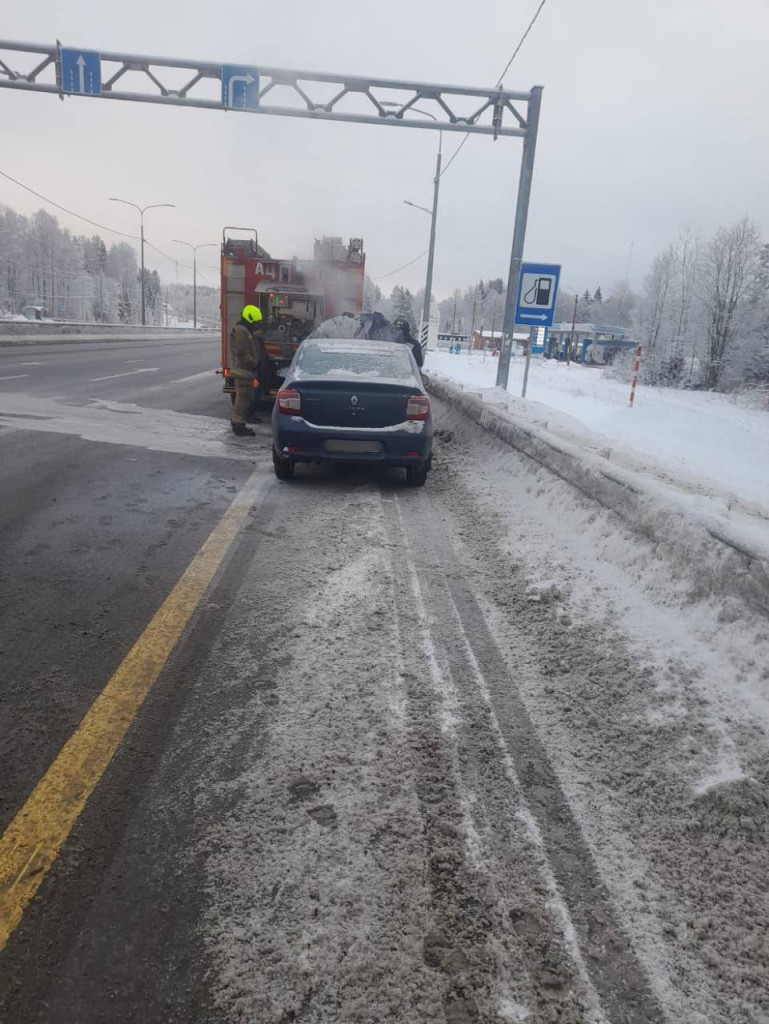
354,359
354,346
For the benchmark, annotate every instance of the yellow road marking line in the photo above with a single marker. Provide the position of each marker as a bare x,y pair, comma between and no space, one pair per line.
32,841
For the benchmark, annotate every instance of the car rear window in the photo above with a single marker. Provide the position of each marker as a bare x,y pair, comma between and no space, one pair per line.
358,360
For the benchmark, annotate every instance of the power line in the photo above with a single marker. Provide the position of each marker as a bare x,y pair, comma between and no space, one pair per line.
521,41
79,216
454,155
64,209
398,270
520,44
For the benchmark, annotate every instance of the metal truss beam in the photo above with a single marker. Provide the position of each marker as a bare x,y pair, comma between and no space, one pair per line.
307,94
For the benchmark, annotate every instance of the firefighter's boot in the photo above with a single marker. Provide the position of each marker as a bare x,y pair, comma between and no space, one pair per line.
241,430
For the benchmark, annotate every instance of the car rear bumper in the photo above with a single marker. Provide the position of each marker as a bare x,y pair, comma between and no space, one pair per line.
296,439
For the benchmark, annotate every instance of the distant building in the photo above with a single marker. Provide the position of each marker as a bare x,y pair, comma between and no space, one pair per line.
486,340
595,344
490,340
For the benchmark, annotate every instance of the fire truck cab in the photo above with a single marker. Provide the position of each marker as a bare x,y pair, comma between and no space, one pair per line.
294,295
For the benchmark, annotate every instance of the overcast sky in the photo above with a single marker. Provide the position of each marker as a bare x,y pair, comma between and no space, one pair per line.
654,117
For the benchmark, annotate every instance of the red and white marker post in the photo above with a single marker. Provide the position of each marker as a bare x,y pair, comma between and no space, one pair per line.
634,381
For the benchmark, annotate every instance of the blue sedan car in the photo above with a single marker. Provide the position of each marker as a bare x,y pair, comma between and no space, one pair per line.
353,400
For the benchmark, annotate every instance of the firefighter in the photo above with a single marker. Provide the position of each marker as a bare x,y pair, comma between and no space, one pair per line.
247,366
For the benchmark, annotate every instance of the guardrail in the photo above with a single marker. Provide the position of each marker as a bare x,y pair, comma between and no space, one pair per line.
18,332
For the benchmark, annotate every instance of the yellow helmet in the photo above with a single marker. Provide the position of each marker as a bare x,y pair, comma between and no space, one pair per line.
251,314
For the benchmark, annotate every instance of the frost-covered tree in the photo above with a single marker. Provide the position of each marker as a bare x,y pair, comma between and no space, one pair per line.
730,266
178,305
687,252
372,294
72,277
402,302
747,361
153,297
618,307
656,311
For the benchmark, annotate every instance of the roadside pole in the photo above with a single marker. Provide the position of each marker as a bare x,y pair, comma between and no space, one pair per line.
529,343
142,210
573,331
431,253
144,308
636,366
519,236
194,288
194,248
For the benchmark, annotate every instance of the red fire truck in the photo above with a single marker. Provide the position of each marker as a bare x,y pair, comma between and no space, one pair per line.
295,296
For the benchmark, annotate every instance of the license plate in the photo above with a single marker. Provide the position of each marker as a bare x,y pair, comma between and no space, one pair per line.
353,447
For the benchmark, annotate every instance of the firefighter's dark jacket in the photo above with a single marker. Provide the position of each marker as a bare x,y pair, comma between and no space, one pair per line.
247,355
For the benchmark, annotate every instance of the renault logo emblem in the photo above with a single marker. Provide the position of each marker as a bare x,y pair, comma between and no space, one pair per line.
354,400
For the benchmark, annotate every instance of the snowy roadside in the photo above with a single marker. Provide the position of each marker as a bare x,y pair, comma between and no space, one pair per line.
723,547
653,705
705,444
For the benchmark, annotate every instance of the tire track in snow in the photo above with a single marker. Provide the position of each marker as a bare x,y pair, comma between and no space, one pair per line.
589,926
317,905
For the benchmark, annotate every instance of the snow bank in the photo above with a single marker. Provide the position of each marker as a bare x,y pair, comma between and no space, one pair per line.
724,550
699,438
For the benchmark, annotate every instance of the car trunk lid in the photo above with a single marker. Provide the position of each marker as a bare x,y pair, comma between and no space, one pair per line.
354,404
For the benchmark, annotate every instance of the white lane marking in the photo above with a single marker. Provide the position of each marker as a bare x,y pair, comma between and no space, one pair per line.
18,376
128,373
194,376
31,364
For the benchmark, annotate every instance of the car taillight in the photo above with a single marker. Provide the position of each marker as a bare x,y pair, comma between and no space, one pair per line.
289,401
418,407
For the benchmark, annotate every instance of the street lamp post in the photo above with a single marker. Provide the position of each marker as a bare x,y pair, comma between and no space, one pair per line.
434,217
431,253
200,245
142,210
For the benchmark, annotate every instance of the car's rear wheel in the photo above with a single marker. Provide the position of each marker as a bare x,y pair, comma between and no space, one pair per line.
284,468
417,477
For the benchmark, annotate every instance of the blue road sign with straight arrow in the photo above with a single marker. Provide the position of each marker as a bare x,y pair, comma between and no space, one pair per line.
80,72
240,87
536,294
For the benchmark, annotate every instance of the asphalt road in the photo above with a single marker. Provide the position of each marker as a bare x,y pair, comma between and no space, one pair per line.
348,794
174,374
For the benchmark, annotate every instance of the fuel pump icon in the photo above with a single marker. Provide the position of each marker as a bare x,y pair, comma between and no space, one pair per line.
539,293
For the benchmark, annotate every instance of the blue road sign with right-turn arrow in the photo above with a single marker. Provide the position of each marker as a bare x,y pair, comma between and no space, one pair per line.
240,87
80,72
536,294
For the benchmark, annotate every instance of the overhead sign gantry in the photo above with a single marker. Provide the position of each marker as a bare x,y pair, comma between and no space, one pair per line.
73,71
